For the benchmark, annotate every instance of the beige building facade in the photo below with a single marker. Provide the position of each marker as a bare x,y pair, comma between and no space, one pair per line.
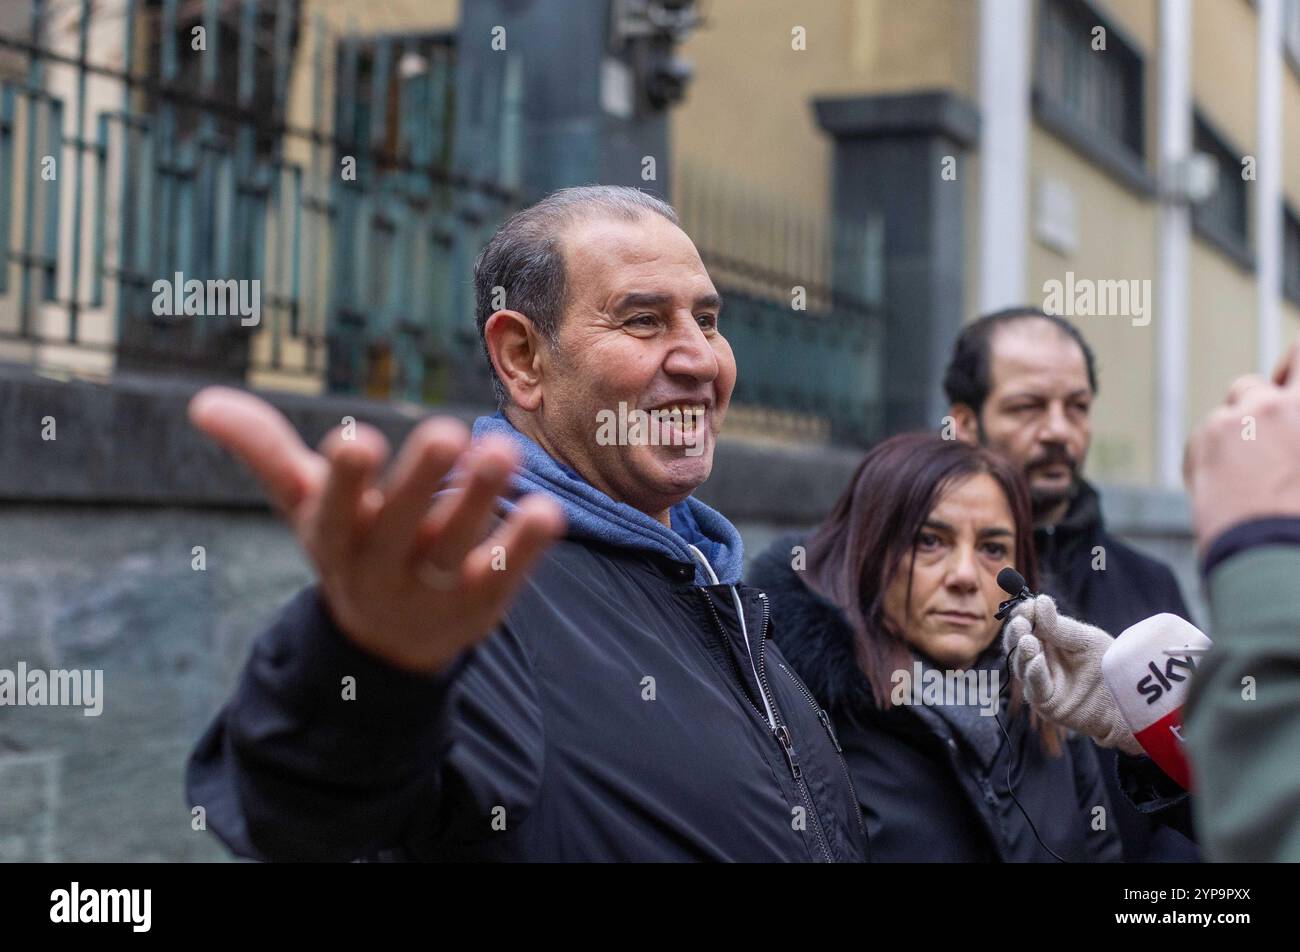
761,64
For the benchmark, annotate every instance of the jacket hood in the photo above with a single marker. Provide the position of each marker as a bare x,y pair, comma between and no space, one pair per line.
812,633
595,517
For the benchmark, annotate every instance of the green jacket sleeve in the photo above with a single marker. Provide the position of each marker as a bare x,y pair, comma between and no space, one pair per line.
1242,720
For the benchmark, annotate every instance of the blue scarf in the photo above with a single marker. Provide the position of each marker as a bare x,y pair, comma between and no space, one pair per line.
594,516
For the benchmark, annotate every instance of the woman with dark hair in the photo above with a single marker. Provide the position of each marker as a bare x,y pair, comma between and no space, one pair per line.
886,614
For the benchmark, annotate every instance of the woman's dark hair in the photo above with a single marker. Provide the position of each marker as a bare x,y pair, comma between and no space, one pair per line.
870,536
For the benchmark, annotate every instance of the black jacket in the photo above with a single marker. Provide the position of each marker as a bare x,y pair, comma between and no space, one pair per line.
543,743
927,795
1132,586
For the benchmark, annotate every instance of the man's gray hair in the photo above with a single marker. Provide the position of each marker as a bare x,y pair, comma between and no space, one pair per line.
524,256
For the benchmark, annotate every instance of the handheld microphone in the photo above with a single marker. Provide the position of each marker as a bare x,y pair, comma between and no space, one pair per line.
1148,671
1013,583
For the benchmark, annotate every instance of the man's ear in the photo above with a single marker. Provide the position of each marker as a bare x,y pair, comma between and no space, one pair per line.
515,348
966,423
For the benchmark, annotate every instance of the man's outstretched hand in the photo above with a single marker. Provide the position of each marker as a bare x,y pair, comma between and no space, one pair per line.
406,577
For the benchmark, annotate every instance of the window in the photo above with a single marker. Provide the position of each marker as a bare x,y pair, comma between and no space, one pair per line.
1222,219
172,64
1094,98
1291,256
393,105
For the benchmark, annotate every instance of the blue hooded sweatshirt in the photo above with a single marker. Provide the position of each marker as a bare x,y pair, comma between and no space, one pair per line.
594,516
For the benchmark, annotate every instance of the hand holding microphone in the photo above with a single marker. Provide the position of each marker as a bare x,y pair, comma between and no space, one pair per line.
1058,659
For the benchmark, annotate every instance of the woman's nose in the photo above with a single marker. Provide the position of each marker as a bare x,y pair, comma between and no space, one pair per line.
961,569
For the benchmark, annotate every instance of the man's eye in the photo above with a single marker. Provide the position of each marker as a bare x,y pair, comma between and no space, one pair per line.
641,320
707,321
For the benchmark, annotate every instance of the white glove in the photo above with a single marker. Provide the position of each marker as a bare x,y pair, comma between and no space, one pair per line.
1058,660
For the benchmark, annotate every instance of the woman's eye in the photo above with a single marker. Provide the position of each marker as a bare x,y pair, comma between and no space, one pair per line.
996,549
927,540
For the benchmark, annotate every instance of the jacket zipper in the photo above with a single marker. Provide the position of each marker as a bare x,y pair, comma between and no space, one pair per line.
781,732
722,632
839,751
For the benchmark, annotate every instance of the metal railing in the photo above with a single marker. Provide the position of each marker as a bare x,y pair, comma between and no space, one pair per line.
802,307
191,162
149,141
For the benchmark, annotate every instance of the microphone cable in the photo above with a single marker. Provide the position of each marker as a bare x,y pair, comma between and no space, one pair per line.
1013,583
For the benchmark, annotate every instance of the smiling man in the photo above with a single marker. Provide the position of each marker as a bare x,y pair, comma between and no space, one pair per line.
442,695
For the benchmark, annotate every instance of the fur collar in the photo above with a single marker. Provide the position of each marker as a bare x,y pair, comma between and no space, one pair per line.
812,633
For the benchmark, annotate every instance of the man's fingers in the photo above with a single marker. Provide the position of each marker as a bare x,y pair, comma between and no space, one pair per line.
458,519
262,439
1242,386
1287,372
496,567
337,518
423,461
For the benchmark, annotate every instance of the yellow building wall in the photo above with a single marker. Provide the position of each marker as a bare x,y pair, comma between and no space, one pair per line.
1223,329
1116,240
1116,234
1225,64
1223,314
1291,134
748,110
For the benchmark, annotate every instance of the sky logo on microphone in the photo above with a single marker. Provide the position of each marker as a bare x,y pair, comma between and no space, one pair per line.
1155,684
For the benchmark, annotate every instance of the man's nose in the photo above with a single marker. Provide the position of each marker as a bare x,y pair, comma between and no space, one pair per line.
690,353
1056,426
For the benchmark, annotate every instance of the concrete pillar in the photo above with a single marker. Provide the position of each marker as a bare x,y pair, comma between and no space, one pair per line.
891,153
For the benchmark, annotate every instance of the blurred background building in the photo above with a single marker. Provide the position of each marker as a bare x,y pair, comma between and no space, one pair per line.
861,176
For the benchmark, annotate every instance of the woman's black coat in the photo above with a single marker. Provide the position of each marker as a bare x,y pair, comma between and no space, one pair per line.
924,793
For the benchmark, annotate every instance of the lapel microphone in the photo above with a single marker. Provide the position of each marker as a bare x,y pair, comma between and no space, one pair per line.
1013,583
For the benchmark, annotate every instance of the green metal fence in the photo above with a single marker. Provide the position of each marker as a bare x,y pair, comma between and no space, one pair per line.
354,214
802,311
355,177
